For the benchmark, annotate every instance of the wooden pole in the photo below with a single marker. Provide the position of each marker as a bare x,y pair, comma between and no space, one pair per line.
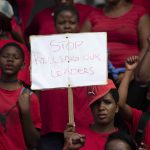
70,106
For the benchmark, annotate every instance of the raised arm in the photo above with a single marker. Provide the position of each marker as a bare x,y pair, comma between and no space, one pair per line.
131,64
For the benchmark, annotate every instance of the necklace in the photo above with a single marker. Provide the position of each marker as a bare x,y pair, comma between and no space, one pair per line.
8,81
10,84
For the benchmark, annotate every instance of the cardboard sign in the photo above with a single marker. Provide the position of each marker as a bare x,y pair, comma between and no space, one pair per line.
64,60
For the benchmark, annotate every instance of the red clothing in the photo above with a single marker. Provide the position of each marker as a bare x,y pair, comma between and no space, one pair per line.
25,8
11,133
133,125
144,3
54,109
54,103
121,32
94,140
43,24
24,74
16,27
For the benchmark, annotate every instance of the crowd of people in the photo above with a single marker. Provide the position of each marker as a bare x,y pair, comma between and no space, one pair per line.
107,117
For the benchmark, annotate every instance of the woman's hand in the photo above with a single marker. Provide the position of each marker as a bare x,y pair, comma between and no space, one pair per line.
24,102
131,63
73,140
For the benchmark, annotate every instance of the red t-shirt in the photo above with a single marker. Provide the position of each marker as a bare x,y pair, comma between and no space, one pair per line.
43,24
121,33
144,3
54,109
94,140
25,8
133,125
11,133
16,27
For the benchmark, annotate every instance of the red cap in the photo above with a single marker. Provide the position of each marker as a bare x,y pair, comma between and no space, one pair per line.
96,92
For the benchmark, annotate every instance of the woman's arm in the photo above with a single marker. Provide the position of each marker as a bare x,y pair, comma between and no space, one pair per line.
73,140
87,27
131,64
31,134
143,69
143,34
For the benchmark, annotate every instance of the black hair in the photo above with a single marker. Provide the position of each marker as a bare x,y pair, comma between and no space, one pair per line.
118,120
65,7
123,136
115,94
15,45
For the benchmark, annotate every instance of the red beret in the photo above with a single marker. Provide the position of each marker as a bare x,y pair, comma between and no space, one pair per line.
98,91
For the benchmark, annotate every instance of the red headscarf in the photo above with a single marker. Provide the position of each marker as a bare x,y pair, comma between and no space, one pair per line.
24,74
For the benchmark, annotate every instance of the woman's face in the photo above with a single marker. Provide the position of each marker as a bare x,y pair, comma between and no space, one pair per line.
104,110
66,22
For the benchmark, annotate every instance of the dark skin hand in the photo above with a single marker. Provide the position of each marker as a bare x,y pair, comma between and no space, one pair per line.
31,134
73,140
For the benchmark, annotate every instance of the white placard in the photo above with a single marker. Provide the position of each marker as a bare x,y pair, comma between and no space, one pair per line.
78,59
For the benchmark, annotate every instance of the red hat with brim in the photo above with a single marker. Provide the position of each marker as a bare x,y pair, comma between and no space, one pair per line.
98,91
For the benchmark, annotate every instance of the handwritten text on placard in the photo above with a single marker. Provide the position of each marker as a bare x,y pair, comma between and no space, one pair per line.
76,59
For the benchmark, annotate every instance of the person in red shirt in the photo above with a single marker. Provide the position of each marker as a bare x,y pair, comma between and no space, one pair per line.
127,27
144,3
23,9
54,102
9,28
103,101
24,73
131,115
43,24
20,119
103,114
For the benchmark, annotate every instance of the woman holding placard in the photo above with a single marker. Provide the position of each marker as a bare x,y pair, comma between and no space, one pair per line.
54,103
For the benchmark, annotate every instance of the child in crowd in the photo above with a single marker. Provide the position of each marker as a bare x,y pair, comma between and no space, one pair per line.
19,110
24,73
